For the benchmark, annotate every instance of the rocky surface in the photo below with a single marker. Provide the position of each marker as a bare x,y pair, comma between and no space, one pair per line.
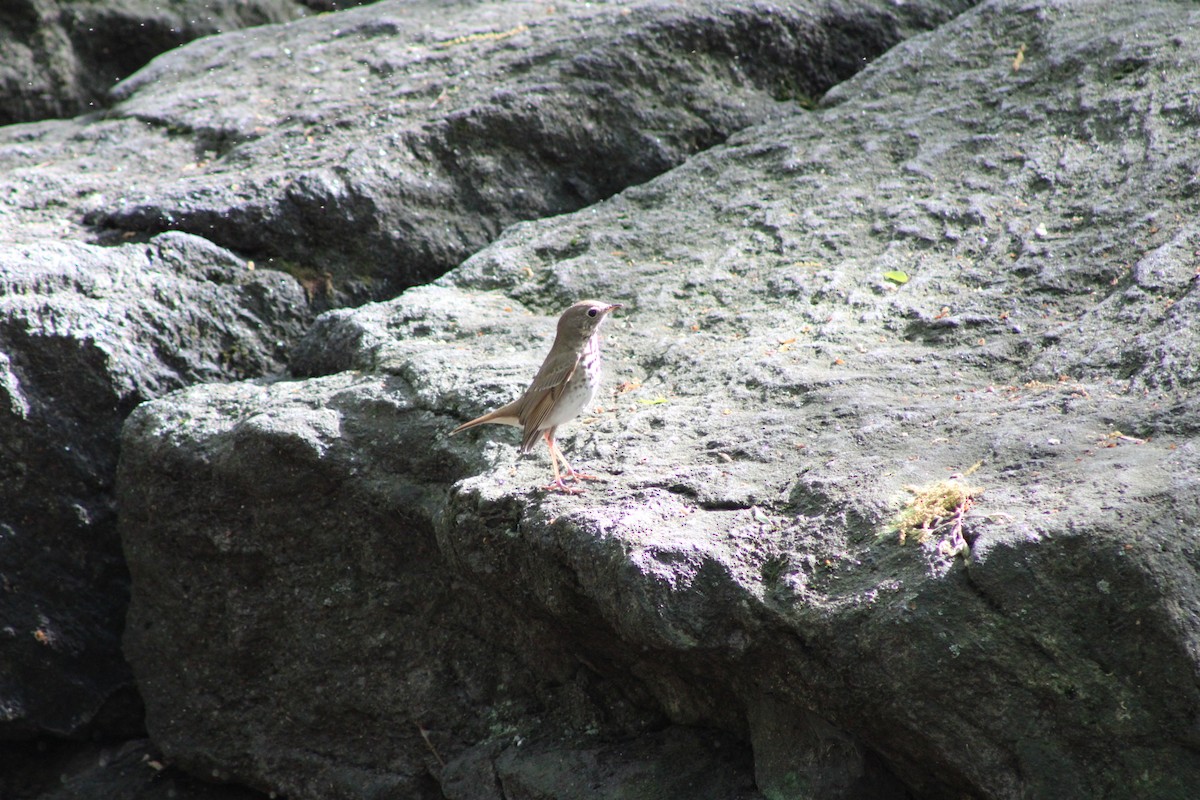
86,333
124,770
980,250
59,59
375,148
252,140
383,145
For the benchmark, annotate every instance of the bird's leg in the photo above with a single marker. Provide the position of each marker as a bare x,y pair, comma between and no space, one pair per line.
571,473
558,485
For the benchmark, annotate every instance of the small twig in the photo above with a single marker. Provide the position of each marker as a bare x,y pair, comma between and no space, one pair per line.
425,735
955,544
482,37
1117,436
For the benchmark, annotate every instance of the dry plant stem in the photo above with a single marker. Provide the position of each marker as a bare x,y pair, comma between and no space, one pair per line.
955,521
425,735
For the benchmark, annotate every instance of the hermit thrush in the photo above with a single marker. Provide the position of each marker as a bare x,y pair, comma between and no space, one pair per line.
564,386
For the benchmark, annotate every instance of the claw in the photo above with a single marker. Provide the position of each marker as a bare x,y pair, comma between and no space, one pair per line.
559,486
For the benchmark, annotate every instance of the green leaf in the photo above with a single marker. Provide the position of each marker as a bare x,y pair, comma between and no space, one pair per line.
896,276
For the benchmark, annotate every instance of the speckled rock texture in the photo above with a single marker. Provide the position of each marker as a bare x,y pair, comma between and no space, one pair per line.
59,58
977,258
190,229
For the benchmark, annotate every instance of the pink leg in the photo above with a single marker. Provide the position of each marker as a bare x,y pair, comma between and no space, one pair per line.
571,473
558,485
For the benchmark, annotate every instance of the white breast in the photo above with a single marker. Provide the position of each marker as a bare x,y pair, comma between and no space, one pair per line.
581,389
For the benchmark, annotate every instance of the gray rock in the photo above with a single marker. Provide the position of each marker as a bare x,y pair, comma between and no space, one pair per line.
86,333
383,608
59,59
677,762
385,144
95,320
130,770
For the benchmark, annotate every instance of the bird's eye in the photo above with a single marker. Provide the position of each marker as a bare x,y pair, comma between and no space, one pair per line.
591,312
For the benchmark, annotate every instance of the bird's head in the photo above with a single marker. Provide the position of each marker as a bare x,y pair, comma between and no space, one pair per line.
582,320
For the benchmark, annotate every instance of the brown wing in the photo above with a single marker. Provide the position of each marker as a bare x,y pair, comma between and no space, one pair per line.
556,370
543,393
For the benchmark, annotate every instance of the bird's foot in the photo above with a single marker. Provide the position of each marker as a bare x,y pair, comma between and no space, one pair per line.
582,476
559,486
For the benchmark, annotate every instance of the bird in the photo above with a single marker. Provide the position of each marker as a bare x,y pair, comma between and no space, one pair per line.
562,388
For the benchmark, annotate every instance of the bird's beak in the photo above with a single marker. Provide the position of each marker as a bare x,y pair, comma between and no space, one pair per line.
613,308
